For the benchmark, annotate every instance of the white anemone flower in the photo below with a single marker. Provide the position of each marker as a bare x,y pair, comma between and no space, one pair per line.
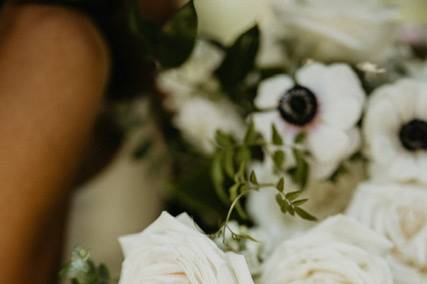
324,102
395,128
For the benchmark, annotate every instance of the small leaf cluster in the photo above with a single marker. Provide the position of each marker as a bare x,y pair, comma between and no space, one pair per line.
291,203
230,170
82,270
300,171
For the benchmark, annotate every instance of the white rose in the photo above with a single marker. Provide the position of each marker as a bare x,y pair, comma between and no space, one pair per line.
199,119
173,250
395,128
325,102
399,213
333,30
339,250
225,20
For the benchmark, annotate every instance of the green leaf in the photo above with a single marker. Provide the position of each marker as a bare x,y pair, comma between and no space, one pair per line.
300,138
300,173
228,162
250,135
178,37
223,139
218,178
291,196
239,59
291,210
276,138
240,176
82,270
243,155
172,43
283,204
304,214
279,159
252,178
281,185
299,202
235,190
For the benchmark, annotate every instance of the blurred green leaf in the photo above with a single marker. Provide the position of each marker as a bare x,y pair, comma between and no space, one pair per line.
281,185
291,196
218,178
228,162
172,43
82,270
251,134
276,138
239,59
252,177
279,159
304,214
300,173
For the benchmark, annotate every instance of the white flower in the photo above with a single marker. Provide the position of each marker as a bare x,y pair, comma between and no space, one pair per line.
325,103
339,250
325,199
173,250
395,129
225,20
193,77
399,213
333,30
199,119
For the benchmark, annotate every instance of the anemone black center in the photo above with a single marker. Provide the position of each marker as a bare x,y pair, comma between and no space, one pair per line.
298,106
413,135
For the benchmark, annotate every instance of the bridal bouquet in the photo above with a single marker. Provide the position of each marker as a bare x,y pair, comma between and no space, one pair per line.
296,136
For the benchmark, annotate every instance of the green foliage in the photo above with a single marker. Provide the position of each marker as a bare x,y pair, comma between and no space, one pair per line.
82,270
172,43
240,58
228,165
276,138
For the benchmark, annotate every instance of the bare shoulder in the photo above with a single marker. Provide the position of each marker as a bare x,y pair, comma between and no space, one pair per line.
54,31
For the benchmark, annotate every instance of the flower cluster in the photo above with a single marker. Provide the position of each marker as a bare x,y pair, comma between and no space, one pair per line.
288,112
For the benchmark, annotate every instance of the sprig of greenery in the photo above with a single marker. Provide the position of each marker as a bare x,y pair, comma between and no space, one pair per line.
82,270
230,171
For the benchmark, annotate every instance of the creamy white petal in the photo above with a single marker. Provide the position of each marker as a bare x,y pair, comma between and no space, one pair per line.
271,90
421,104
404,168
403,96
397,212
339,250
338,90
326,143
173,250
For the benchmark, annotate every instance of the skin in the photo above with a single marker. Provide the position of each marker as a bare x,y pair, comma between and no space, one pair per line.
54,68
